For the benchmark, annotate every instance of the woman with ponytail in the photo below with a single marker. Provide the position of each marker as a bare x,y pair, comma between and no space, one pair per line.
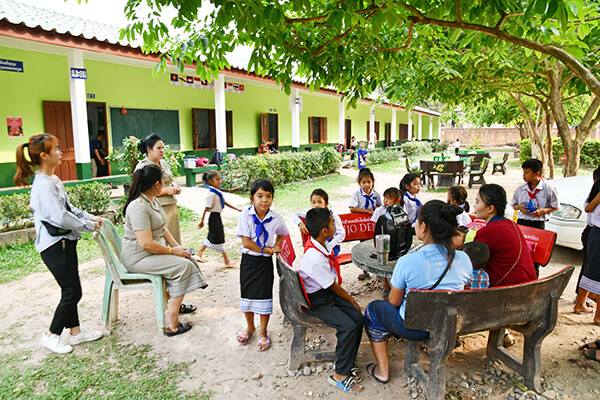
58,226
154,149
149,247
436,266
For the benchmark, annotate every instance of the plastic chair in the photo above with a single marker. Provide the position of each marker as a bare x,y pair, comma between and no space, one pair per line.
118,278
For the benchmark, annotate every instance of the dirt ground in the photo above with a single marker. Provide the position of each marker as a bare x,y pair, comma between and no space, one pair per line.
239,372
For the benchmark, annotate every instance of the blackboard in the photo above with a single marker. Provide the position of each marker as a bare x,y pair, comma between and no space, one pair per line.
140,123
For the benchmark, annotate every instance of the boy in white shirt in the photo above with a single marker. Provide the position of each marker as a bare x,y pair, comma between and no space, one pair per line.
328,301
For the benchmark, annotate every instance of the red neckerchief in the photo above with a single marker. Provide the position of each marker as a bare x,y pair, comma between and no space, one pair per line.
532,194
333,262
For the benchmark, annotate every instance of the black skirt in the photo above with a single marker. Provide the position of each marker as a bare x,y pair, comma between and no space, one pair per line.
256,277
216,233
591,268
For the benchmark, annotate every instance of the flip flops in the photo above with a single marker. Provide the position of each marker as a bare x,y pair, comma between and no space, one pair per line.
181,328
592,354
264,343
587,311
186,309
243,337
587,345
345,384
355,373
371,370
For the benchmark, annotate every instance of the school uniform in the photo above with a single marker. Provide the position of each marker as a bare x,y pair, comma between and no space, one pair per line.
411,206
319,271
256,268
378,213
365,201
543,196
339,235
590,280
215,203
463,219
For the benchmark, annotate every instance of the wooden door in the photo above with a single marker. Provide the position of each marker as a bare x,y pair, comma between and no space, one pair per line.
376,131
205,131
348,133
388,134
403,132
264,127
269,127
58,122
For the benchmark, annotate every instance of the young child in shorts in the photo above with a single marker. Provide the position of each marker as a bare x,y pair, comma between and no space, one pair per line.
261,230
361,156
320,199
215,203
328,301
479,254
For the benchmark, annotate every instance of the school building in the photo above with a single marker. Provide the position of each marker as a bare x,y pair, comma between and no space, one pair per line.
73,78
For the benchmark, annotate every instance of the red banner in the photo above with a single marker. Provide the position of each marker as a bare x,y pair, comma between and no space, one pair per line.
287,251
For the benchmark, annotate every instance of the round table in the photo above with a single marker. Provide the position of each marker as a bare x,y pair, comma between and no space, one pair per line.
361,257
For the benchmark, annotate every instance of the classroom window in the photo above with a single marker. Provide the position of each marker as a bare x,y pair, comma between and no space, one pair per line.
317,127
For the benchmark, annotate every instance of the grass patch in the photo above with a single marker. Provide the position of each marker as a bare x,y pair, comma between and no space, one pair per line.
104,369
297,195
390,166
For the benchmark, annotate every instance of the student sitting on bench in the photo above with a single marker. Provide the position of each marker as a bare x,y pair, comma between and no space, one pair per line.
479,254
320,274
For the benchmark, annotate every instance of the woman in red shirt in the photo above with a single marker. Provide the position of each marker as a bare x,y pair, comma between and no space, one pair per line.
510,260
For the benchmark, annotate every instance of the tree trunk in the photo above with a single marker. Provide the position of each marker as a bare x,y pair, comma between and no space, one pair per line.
548,143
537,147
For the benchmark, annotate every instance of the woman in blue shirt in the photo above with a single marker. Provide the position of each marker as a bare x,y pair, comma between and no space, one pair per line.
436,266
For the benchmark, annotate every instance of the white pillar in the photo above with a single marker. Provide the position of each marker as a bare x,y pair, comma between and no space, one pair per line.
430,127
372,124
410,126
221,130
81,139
295,119
440,129
342,122
394,127
420,127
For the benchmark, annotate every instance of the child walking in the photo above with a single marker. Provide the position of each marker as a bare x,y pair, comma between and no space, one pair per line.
329,301
361,156
261,230
541,198
58,227
365,200
457,195
410,186
320,199
215,203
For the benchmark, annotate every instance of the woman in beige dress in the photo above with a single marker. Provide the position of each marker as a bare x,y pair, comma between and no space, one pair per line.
149,247
154,149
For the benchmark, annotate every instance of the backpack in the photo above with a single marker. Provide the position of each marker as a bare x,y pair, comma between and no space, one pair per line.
396,223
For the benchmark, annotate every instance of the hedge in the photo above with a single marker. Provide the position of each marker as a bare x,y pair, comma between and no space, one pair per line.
416,148
285,167
381,156
590,152
15,213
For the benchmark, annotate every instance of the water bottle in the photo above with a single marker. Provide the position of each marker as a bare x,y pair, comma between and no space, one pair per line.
382,246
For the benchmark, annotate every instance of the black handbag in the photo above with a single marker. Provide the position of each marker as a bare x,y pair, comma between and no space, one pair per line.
56,230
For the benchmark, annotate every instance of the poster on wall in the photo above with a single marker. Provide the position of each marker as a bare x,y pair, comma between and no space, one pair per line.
195,82
15,126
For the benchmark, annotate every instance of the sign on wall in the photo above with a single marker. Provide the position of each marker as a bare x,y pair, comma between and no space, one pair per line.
15,126
195,82
78,73
10,65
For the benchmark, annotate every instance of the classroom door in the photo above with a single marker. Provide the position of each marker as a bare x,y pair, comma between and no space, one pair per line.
58,122
205,132
269,127
348,133
388,134
376,131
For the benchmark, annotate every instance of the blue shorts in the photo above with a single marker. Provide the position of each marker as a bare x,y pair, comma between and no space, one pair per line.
383,320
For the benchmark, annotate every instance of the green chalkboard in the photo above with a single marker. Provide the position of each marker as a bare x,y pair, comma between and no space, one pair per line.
140,123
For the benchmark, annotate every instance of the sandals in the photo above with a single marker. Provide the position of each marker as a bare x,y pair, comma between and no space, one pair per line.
587,311
186,309
243,337
371,370
345,384
181,328
592,354
355,373
589,345
264,343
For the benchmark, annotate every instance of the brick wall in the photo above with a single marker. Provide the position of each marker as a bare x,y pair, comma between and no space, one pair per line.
489,136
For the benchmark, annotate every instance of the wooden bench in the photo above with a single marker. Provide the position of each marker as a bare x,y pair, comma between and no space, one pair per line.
293,303
500,166
190,173
530,308
476,175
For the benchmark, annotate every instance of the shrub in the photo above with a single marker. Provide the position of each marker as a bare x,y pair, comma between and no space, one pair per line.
92,197
385,155
128,156
14,212
416,148
280,168
590,152
525,152
438,147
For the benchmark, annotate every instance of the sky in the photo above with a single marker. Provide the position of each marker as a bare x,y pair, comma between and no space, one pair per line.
105,11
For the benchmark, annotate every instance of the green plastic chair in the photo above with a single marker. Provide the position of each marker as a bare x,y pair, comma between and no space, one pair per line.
118,278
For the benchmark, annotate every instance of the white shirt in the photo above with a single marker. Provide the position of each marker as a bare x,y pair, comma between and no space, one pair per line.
315,270
411,208
358,200
547,197
378,213
340,232
457,145
213,201
463,219
246,227
593,218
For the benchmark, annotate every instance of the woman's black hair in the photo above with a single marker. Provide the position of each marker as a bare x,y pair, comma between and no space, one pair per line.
459,195
209,175
263,184
596,174
150,141
440,218
494,195
594,192
322,193
406,181
365,173
143,179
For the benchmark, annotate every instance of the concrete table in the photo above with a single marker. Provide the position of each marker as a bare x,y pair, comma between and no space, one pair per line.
361,257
